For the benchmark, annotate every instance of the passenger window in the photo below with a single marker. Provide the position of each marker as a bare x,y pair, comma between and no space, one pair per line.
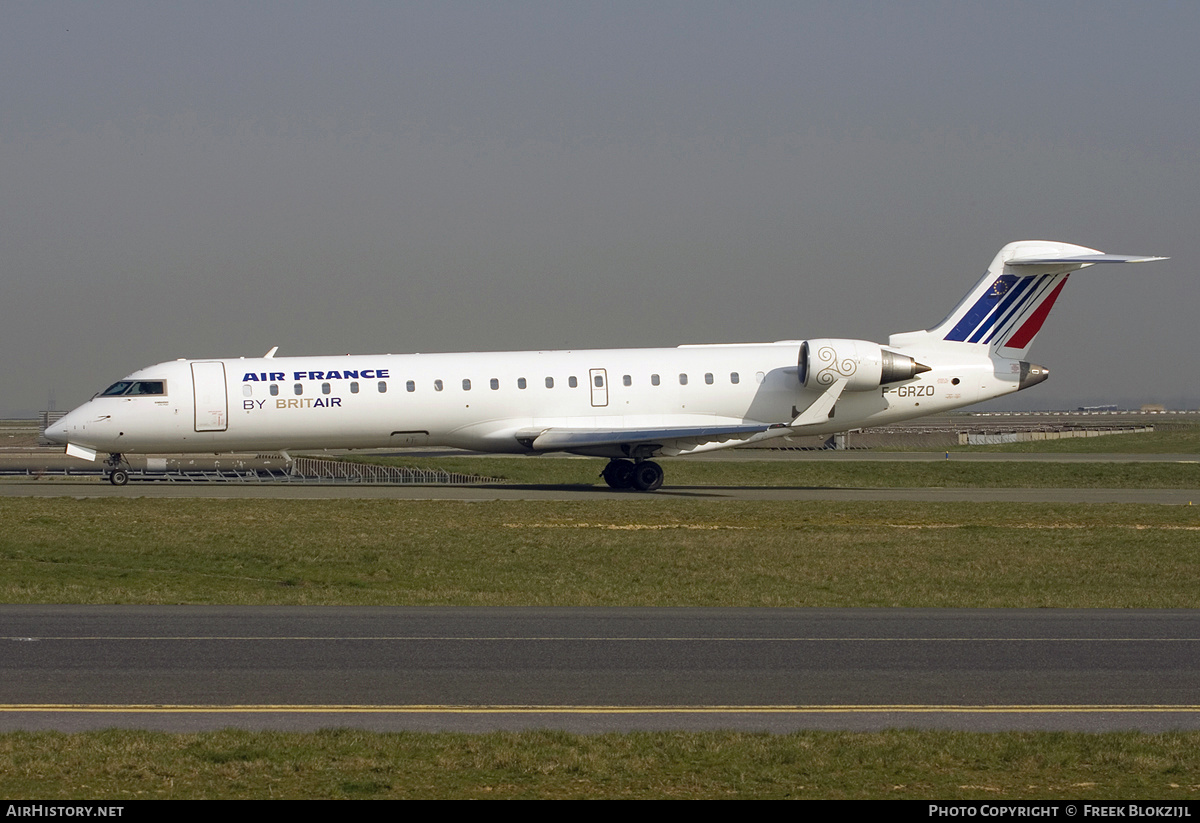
410,385
683,379
572,382
383,387
437,385
520,382
627,380
247,390
733,377
759,377
494,383
549,382
353,387
466,385
274,389
708,378
599,380
654,380
324,388
298,388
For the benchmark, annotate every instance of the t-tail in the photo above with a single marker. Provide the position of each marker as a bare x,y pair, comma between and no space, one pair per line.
1005,310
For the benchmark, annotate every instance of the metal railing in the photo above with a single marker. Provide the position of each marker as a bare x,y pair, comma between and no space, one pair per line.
300,470
310,468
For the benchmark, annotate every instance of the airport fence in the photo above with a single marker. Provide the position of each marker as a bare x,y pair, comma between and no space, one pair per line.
311,468
299,470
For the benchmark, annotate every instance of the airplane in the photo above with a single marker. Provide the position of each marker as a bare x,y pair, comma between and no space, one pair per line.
629,405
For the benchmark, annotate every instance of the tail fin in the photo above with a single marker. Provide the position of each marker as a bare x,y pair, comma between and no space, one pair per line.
1007,307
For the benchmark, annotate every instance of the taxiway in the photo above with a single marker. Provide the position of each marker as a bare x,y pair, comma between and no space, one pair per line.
588,670
94,488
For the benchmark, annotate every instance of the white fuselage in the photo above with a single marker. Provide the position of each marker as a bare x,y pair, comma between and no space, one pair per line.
625,404
485,400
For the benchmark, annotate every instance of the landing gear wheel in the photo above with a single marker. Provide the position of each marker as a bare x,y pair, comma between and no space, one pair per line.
618,474
117,475
647,476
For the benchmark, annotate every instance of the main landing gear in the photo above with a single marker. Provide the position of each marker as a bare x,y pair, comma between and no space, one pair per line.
645,476
116,475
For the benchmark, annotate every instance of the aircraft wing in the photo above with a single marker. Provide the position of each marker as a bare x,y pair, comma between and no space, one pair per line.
674,440
683,437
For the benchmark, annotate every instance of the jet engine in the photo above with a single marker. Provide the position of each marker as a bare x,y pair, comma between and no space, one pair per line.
864,365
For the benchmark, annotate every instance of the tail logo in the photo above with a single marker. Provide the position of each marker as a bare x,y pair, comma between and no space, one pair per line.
1002,285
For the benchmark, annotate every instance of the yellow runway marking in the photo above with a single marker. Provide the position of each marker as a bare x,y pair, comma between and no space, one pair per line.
102,708
594,639
629,526
864,525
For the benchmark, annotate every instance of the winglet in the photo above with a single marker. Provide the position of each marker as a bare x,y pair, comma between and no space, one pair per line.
821,408
269,355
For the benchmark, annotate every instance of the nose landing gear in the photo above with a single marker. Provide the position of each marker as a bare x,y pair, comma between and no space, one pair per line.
117,475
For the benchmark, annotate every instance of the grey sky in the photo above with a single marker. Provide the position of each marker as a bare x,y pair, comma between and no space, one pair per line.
213,179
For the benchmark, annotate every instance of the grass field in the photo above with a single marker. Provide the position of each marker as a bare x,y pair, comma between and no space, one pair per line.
640,552
808,765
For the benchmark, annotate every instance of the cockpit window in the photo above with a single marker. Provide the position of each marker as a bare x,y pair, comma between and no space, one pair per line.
129,388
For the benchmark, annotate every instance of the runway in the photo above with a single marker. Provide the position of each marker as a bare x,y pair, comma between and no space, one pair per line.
589,670
94,488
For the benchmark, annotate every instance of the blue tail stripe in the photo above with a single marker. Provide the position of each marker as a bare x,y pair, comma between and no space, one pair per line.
971,319
996,316
1027,292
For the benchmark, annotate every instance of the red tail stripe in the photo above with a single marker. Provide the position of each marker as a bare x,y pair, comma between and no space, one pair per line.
1034,324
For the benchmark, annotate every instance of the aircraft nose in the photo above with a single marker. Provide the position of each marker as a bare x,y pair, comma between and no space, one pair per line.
57,431
60,430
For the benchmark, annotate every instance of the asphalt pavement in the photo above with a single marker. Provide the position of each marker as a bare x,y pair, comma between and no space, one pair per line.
610,669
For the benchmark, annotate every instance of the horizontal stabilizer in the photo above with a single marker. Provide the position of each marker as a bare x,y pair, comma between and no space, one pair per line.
1083,259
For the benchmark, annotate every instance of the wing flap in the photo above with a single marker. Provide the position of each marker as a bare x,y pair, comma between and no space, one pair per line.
563,439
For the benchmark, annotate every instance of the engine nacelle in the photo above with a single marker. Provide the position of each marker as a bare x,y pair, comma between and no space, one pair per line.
864,364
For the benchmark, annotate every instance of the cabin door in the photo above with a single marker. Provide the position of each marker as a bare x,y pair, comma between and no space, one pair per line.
599,382
212,404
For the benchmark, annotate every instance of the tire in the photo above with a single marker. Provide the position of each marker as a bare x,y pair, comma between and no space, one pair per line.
647,476
618,474
119,477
